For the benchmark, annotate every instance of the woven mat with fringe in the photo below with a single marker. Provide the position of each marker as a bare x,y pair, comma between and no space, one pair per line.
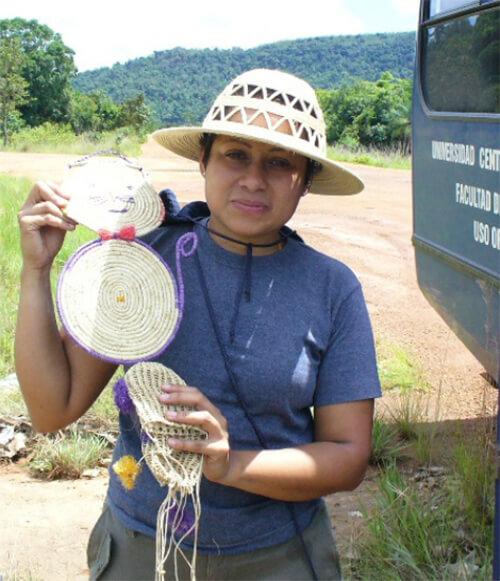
180,471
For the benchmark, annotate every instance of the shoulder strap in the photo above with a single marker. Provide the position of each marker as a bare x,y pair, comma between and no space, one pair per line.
241,400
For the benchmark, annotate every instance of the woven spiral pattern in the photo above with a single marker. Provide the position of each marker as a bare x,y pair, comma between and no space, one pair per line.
110,194
180,470
118,300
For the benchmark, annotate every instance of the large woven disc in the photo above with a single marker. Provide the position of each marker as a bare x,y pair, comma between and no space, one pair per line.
118,300
111,193
180,470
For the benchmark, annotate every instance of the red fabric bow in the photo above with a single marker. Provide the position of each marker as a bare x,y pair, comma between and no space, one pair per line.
126,233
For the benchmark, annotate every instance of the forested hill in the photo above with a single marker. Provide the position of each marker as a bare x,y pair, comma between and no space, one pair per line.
180,84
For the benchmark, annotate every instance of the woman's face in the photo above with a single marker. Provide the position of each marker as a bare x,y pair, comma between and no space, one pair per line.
252,189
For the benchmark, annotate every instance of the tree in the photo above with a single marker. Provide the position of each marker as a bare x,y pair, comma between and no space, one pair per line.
134,112
13,87
385,122
371,114
83,113
48,70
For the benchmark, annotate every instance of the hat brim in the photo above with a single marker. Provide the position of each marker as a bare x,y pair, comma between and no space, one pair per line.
333,179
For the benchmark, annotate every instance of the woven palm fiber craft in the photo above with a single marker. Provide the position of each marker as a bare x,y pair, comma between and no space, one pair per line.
181,471
108,194
119,300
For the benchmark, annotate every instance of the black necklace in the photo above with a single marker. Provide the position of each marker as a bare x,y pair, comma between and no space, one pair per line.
249,245
246,281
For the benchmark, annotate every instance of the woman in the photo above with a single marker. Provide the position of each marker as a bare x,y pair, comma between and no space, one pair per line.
271,330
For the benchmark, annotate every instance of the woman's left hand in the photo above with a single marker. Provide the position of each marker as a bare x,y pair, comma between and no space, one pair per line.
215,448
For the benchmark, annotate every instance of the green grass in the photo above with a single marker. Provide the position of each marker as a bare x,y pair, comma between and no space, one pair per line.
420,528
471,484
387,446
66,455
393,159
398,370
12,404
432,513
58,138
13,192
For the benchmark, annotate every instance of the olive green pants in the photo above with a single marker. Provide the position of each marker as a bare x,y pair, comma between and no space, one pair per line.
117,553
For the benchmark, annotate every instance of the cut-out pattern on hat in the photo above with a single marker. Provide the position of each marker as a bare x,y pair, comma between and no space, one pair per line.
272,109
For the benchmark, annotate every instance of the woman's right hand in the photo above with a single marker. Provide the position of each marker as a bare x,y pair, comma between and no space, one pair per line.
43,225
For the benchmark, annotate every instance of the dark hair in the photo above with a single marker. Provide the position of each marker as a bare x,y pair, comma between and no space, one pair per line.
206,141
313,167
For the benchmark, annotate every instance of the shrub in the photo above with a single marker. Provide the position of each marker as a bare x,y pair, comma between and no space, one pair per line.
66,456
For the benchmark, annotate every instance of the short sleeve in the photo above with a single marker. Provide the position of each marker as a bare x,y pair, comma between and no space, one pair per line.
348,369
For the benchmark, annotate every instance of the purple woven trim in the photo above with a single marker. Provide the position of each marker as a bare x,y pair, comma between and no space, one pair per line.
180,251
181,522
145,438
123,400
104,152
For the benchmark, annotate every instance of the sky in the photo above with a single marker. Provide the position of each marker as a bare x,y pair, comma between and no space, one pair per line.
104,32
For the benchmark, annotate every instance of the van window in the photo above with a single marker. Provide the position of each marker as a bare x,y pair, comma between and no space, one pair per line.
461,64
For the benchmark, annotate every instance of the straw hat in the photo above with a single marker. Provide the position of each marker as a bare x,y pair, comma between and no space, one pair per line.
275,108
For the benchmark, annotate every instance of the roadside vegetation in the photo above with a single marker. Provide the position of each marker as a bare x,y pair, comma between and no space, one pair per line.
60,138
431,511
55,138
390,158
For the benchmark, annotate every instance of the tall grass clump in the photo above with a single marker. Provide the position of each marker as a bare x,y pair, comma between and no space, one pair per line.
419,531
13,192
387,446
66,455
435,522
405,533
472,486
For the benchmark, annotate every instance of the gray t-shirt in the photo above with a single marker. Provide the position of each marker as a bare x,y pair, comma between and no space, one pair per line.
303,339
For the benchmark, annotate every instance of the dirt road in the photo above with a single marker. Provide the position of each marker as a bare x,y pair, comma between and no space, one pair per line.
45,526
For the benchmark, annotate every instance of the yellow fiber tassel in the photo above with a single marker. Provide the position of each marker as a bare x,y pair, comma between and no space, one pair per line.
127,469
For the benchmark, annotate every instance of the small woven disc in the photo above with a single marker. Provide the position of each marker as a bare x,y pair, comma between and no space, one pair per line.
118,300
111,193
180,470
